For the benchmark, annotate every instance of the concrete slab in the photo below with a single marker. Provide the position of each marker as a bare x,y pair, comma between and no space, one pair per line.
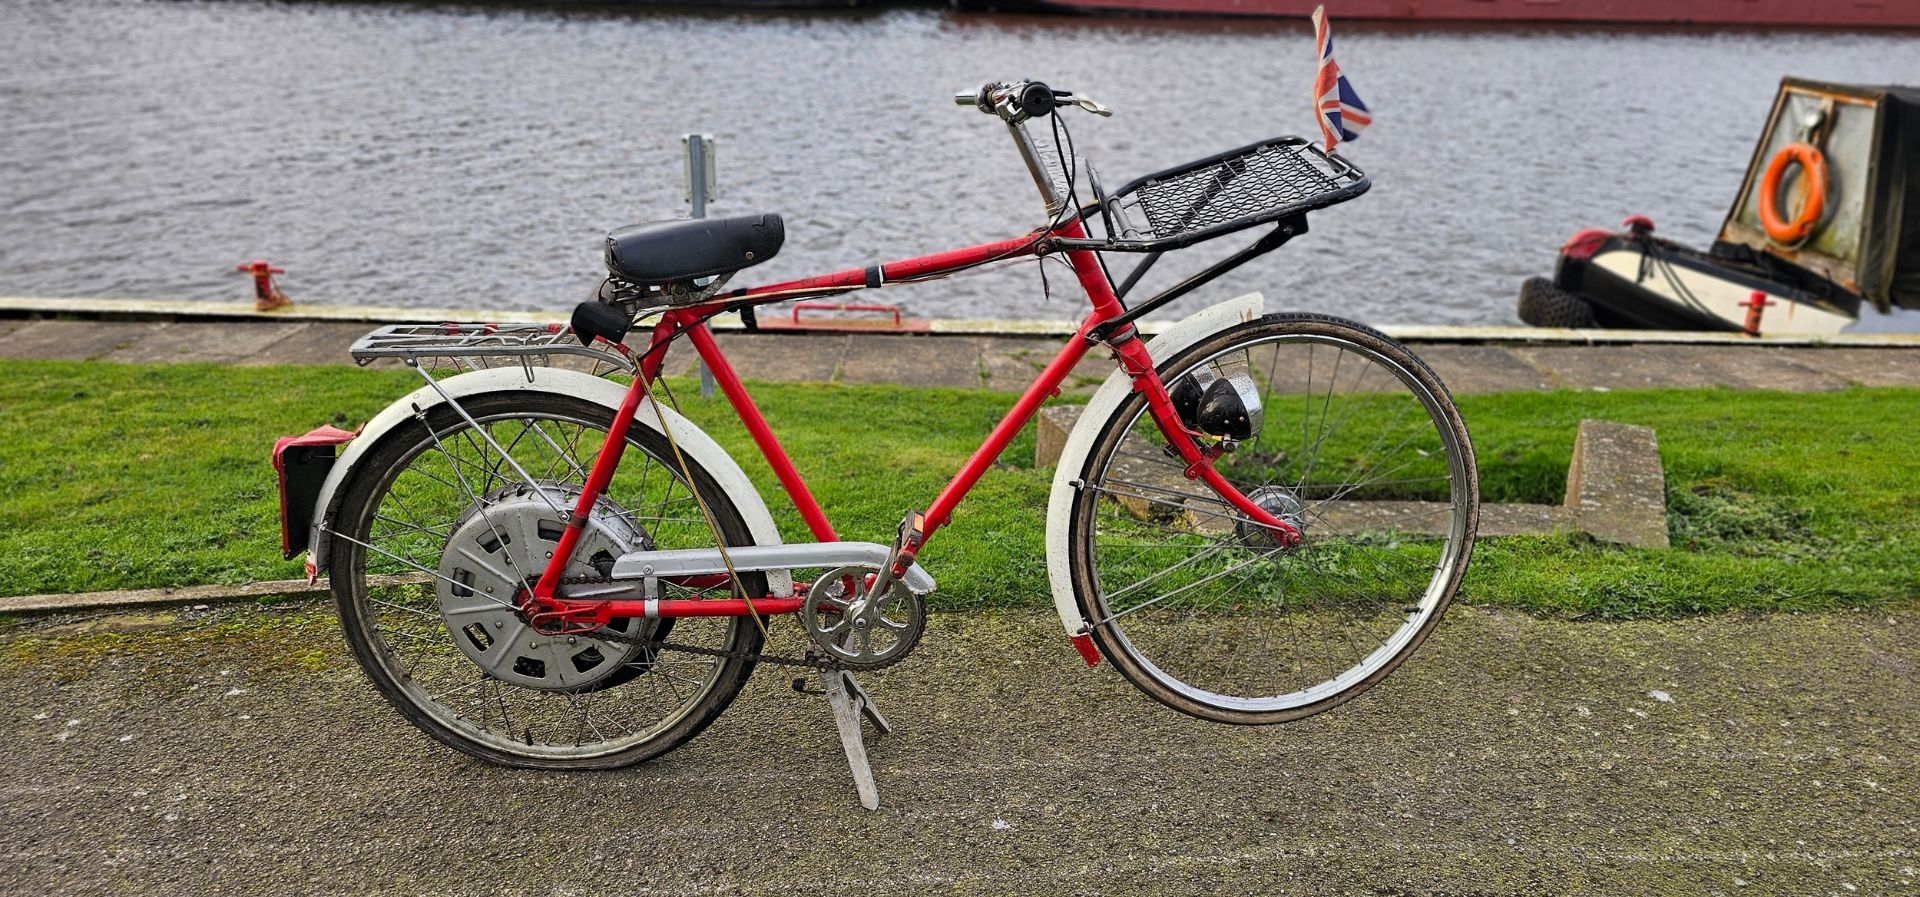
1742,367
1050,430
1590,367
1867,367
912,361
1477,369
1010,364
1616,367
1615,490
1521,520
319,342
1616,487
75,339
778,356
1432,518
210,594
202,309
230,343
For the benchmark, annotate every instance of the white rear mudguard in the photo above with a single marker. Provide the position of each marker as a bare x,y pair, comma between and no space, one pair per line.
697,445
1073,459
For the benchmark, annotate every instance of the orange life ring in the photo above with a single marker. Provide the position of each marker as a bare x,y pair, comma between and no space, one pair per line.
1814,176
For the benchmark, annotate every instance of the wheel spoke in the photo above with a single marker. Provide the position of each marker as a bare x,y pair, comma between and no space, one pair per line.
450,511
1197,604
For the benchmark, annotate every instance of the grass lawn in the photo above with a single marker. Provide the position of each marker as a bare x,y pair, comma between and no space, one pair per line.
124,476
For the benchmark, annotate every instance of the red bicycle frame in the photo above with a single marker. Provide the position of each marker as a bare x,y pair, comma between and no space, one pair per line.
1128,348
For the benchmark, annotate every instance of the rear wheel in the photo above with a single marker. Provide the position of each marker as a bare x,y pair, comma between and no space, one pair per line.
1353,441
439,532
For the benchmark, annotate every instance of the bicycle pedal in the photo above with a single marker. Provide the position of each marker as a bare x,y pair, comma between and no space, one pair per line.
906,546
800,685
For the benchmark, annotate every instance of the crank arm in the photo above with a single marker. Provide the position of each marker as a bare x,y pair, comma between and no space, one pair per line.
900,561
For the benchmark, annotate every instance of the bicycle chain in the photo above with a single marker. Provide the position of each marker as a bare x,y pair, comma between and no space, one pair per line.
822,664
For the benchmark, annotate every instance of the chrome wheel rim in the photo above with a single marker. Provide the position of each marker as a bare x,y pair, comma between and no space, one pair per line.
452,476
1366,458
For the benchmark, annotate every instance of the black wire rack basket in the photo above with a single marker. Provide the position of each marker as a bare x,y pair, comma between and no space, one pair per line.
1218,195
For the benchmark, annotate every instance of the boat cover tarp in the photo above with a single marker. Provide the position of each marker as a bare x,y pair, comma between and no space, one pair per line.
1890,266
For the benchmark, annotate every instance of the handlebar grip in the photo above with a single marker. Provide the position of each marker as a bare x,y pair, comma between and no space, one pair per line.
1031,99
1036,99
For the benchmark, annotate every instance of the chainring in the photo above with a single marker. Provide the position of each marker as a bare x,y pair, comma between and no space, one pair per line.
862,637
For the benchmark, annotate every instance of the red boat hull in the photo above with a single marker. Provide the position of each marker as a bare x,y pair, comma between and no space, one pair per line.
1813,13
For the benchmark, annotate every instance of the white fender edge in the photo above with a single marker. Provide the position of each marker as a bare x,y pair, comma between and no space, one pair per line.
697,445
1073,458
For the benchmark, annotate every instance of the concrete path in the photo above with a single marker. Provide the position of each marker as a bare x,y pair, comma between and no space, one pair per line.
1010,363
238,751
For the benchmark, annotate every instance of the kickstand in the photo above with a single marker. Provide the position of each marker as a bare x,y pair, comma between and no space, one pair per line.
850,702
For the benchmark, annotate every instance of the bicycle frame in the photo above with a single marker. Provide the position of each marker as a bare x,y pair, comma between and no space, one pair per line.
1129,350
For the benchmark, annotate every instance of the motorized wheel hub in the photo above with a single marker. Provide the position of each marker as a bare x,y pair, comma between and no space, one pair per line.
859,629
496,551
1281,503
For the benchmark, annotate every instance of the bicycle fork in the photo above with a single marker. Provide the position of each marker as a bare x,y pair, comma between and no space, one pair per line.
1131,352
1133,357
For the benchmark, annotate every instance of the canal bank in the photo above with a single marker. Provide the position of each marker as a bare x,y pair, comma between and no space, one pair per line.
973,354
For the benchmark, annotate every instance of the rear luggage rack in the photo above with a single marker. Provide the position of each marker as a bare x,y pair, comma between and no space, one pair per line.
480,346
1253,185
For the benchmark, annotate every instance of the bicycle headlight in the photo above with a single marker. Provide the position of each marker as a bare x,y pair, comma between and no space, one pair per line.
1219,402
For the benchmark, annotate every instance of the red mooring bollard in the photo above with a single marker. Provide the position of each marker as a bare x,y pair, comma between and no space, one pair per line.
266,296
1755,304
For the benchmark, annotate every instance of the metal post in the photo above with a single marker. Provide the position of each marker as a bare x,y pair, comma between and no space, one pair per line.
699,151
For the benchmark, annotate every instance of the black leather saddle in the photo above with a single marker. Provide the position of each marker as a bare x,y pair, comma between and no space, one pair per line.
666,252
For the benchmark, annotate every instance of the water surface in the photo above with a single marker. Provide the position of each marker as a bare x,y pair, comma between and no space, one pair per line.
473,156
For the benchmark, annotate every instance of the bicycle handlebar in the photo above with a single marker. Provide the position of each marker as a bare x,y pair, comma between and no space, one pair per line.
1016,101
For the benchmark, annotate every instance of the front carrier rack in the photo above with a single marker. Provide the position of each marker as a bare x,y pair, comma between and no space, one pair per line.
1284,177
1274,182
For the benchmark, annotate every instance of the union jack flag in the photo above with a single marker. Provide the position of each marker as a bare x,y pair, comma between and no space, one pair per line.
1341,114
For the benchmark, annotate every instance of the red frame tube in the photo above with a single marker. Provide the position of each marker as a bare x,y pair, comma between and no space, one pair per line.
597,480
1128,349
1105,307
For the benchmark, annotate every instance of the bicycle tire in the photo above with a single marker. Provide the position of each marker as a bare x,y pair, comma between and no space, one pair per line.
500,743
1184,532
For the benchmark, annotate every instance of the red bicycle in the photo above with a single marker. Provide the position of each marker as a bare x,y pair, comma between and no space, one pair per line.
1257,517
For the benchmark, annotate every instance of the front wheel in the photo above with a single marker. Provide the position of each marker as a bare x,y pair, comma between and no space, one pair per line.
1346,435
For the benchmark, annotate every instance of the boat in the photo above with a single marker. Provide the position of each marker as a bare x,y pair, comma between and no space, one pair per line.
1811,13
1827,222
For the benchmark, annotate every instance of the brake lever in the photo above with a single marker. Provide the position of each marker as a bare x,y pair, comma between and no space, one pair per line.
1086,103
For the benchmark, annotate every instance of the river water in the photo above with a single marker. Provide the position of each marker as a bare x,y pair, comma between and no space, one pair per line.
472,156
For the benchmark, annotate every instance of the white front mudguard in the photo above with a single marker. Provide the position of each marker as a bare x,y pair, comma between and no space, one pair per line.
697,445
1073,459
